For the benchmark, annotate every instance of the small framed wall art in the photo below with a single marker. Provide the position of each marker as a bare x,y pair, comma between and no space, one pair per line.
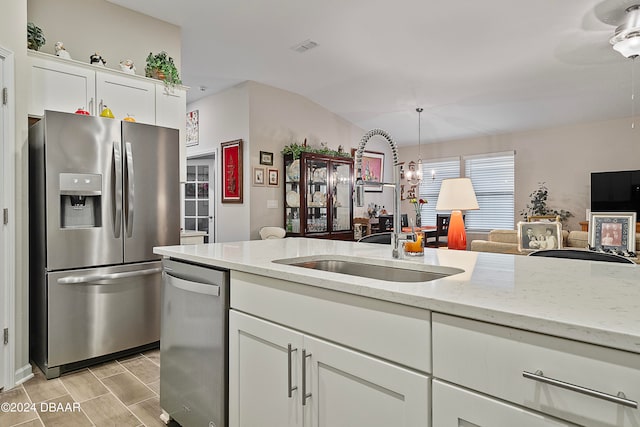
193,128
372,170
612,231
266,158
231,171
258,176
273,177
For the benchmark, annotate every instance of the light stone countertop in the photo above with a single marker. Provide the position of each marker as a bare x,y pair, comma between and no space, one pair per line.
594,302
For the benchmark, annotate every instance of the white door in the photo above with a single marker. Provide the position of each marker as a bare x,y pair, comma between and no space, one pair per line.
457,407
3,283
349,388
264,379
199,197
7,229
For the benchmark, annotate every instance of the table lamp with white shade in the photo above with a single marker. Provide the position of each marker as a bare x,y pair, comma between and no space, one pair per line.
456,195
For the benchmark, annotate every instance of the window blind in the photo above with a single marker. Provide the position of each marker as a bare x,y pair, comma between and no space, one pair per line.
493,179
430,188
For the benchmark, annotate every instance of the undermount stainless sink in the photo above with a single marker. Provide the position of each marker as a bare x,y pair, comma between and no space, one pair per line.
366,268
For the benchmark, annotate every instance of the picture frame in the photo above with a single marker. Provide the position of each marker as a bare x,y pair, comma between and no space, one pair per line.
266,158
273,177
258,176
193,128
544,218
231,182
533,236
612,231
372,170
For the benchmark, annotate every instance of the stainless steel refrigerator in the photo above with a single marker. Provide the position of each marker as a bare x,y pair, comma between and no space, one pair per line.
102,194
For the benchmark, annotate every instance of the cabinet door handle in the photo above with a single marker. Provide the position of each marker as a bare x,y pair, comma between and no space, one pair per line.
305,395
620,399
289,388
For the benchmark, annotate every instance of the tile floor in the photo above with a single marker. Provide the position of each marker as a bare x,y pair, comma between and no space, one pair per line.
121,393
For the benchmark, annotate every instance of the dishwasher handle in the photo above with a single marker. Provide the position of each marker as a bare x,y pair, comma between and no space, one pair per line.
191,286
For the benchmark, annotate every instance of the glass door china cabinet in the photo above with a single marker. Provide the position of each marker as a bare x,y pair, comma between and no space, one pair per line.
318,196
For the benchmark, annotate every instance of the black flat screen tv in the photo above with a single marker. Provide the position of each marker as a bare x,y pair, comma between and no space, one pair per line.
615,191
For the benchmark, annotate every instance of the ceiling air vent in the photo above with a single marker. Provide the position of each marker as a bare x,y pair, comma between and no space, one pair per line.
305,46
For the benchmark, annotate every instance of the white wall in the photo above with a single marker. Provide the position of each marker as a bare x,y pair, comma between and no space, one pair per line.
562,157
267,119
115,32
279,118
225,117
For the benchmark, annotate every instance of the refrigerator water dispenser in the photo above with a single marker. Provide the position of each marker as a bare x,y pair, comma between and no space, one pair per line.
80,200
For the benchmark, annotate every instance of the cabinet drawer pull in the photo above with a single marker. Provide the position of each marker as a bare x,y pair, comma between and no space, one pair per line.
289,388
620,399
305,395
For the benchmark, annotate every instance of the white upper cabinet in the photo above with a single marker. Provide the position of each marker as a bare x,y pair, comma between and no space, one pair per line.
60,87
66,85
126,96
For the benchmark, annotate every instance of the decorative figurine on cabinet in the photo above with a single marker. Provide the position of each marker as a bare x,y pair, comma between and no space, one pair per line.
127,66
96,59
61,51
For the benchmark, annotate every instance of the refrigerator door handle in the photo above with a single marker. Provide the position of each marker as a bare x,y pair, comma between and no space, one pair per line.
73,280
130,189
195,287
117,161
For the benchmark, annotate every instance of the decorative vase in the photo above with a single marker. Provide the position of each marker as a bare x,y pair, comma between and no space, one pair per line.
418,220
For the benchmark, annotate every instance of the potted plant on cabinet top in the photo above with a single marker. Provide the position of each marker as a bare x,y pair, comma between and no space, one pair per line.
35,37
160,66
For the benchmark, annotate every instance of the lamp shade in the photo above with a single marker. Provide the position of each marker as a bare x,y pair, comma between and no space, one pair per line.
457,194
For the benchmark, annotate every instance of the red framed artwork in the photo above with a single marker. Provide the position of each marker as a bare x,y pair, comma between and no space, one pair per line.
232,171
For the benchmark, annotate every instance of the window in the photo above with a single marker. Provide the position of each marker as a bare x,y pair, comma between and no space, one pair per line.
493,181
430,188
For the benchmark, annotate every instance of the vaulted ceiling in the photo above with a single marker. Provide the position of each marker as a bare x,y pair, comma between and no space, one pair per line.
477,67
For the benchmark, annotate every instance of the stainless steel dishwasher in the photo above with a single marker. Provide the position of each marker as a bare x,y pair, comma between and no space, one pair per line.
194,344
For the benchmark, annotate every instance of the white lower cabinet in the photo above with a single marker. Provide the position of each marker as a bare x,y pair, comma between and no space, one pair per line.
281,377
457,407
578,382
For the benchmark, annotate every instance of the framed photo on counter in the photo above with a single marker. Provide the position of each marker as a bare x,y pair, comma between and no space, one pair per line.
533,236
613,231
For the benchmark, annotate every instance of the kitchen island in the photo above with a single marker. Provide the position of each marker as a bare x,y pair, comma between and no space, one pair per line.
491,338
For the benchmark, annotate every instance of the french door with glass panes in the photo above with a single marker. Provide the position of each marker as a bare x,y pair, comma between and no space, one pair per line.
199,197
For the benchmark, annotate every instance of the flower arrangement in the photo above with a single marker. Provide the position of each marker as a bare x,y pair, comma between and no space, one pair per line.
417,204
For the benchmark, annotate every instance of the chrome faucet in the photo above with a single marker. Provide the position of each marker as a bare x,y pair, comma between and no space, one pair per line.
397,248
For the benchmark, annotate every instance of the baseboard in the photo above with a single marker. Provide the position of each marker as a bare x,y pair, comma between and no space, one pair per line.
23,374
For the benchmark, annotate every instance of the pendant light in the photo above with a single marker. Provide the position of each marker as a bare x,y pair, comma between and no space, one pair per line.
414,174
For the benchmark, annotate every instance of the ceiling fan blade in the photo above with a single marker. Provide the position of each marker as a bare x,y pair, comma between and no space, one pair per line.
587,48
612,12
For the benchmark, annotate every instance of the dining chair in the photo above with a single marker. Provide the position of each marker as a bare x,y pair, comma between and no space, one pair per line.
272,233
365,225
581,254
385,222
440,235
383,238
